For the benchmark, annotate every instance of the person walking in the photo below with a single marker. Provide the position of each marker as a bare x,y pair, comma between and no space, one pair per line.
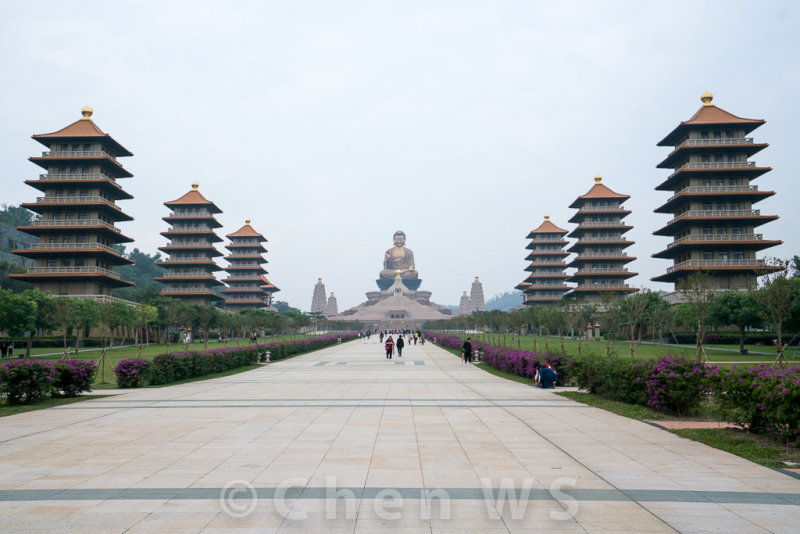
380,336
389,347
400,345
466,352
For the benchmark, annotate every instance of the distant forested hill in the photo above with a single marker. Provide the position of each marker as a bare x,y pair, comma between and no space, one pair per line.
505,301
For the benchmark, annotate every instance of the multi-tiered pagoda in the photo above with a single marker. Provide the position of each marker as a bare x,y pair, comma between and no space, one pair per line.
545,284
318,300
190,264
601,261
269,288
245,270
713,221
75,254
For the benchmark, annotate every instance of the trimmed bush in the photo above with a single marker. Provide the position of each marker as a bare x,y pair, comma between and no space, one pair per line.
131,373
73,377
26,380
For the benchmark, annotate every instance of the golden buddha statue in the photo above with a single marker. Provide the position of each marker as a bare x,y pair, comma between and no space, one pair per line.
399,260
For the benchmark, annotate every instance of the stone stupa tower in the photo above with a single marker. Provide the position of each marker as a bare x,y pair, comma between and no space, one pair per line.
190,265
318,301
75,255
463,306
331,308
476,302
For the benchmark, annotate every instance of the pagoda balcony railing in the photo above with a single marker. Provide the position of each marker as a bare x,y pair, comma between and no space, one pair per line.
191,259
602,254
248,256
717,213
193,214
72,177
601,270
191,289
593,286
72,270
192,230
200,274
74,246
717,165
541,285
595,239
238,265
585,208
700,264
714,189
718,141
601,223
547,239
189,244
78,200
717,237
79,154
76,222
548,262
240,287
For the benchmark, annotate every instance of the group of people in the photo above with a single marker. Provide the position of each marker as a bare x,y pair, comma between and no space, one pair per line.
7,349
545,376
390,344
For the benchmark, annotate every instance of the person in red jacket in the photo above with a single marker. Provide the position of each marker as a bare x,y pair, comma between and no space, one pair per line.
389,347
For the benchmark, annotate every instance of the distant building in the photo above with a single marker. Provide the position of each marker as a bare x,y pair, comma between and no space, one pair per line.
713,221
463,306
318,301
75,254
601,261
190,264
332,308
545,285
476,300
245,271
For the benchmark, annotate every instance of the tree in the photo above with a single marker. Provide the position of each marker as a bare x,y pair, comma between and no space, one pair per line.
634,308
142,272
17,313
776,299
696,289
17,286
612,316
86,315
16,215
659,316
62,313
43,317
735,308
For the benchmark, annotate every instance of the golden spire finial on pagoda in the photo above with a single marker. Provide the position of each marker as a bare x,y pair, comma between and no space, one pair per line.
476,278
707,97
247,221
598,178
195,185
546,217
87,113
331,293
319,279
465,291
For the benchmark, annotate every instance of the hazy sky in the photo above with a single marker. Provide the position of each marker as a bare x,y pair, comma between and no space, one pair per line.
333,124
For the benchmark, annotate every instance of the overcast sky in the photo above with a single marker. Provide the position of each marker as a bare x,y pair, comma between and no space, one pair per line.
334,124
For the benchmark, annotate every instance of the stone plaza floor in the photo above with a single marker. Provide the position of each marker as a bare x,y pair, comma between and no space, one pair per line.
343,440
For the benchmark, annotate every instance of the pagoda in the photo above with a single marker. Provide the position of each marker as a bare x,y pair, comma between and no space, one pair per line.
476,300
713,221
268,288
545,284
190,263
245,270
463,306
332,308
600,260
75,254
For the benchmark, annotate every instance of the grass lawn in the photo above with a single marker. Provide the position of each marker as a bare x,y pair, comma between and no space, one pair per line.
11,409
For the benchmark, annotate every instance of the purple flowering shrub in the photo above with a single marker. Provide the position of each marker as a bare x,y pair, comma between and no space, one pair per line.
131,373
26,380
517,362
73,377
678,385
763,398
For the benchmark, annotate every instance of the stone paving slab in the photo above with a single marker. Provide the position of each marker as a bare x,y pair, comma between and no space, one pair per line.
342,440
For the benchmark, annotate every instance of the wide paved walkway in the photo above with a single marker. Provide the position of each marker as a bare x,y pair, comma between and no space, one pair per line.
342,440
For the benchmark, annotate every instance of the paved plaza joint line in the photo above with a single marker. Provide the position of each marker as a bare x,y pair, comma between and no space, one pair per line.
343,440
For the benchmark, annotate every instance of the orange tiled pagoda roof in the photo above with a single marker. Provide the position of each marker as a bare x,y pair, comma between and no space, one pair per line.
709,115
246,231
548,227
268,286
598,190
194,198
83,128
